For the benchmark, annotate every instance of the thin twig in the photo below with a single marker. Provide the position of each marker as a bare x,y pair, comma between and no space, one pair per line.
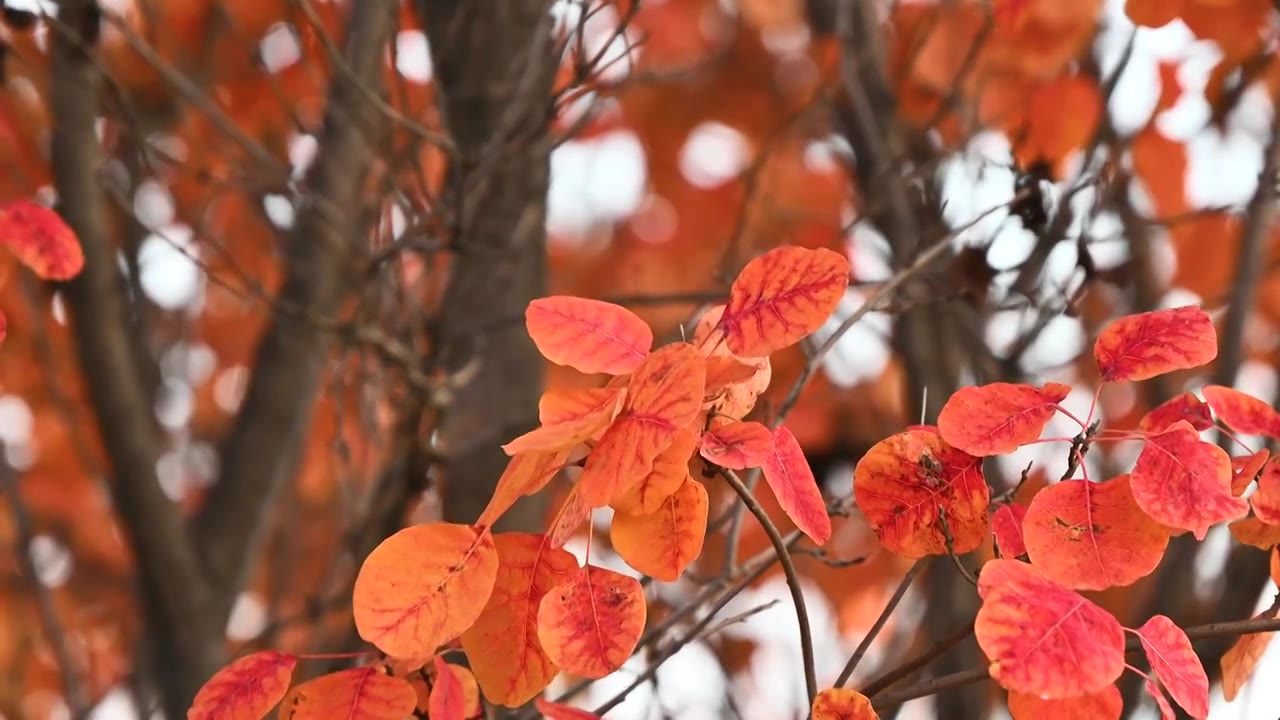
881,621
935,651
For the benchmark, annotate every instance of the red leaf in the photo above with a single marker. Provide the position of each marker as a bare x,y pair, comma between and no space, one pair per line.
1266,500
1245,469
1104,705
738,445
592,623
996,419
447,701
1176,664
1180,407
1140,347
1241,412
1162,703
1006,525
782,296
791,479
41,240
590,336
1184,482
1043,639
364,693
560,711
246,689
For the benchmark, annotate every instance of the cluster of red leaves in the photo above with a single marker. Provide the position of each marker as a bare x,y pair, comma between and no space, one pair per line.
40,240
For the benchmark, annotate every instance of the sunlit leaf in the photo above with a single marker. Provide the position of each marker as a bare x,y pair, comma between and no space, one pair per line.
792,482
663,543
842,704
526,474
1006,526
404,599
571,515
1242,412
916,492
1176,665
670,469
502,645
737,445
246,689
1107,704
1185,406
1092,536
364,693
1142,346
782,296
560,711
1239,663
591,336
1043,639
41,240
568,419
590,624
1184,482
998,418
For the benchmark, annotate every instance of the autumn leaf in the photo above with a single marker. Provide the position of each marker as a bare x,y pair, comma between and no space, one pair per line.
1185,406
1184,482
502,645
917,491
568,418
1043,639
572,514
448,699
458,679
670,469
842,704
1176,665
782,296
1151,13
1265,501
1106,704
590,624
1006,526
792,482
403,599
663,543
41,240
364,693
246,689
664,396
590,336
1246,468
1092,536
726,396
1142,346
1242,412
1242,659
526,474
560,711
998,418
1252,531
1275,566
1162,703
738,445
724,371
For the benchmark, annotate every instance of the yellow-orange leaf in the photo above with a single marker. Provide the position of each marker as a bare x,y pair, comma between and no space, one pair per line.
502,645
246,689
792,482
568,419
738,445
782,296
591,624
663,543
1254,532
363,693
670,469
664,396
1104,705
591,336
1242,659
41,240
842,704
405,599
526,474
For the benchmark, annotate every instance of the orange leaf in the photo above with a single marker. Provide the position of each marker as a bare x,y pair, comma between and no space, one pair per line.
1266,500
665,395
792,482
591,624
1242,659
670,469
1184,482
1246,468
1092,536
568,418
502,645
996,419
1052,134
738,445
726,370
1006,526
1185,406
1043,639
1275,566
448,698
41,240
1175,662
1104,705
1252,531
403,599
1152,13
246,689
1242,412
363,693
560,711
782,296
526,474
916,490
1140,347
590,336
663,543
842,704
572,514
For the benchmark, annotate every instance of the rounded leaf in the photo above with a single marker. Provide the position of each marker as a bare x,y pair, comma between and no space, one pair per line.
502,645
1185,406
1006,526
1042,638
1242,412
405,597
782,296
1184,482
41,240
792,482
842,704
1092,536
1252,531
916,491
364,693
738,445
663,543
590,336
1247,468
448,699
1242,659
1106,704
1176,665
670,469
246,689
1142,346
998,418
592,623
